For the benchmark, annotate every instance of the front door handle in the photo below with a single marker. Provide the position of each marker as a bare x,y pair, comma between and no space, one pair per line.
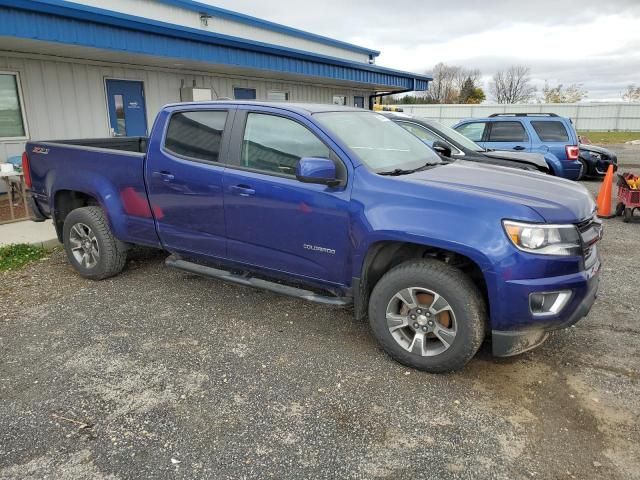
518,147
164,176
242,190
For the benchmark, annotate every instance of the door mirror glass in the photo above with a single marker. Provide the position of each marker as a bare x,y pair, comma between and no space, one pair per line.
442,148
317,170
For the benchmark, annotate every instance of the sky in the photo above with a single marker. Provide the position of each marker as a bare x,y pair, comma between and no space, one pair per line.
589,42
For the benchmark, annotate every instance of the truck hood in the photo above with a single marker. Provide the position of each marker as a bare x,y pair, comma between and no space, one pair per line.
532,158
556,200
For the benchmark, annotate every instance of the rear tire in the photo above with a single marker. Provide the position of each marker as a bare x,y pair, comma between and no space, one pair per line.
584,172
91,248
447,306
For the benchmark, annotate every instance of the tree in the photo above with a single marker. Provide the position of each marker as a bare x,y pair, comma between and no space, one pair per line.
470,93
561,94
442,89
631,94
512,85
450,84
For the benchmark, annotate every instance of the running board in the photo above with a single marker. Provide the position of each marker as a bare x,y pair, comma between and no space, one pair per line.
205,271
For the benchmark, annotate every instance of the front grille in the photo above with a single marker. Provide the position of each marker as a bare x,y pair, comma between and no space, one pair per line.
585,224
590,232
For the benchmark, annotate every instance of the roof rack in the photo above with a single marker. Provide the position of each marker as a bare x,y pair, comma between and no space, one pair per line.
523,115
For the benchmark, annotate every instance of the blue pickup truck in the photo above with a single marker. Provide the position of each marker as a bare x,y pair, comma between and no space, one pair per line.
335,205
545,133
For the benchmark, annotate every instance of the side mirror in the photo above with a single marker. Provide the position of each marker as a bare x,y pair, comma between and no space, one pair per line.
317,170
442,148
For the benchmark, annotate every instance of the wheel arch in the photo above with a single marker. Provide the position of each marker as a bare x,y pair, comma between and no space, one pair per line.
384,255
64,202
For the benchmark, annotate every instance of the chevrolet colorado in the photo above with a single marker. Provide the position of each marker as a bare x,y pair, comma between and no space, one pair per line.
335,205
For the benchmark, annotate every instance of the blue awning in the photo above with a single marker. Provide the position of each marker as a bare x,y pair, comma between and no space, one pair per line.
64,22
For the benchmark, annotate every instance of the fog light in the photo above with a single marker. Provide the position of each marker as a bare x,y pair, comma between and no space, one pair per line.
549,303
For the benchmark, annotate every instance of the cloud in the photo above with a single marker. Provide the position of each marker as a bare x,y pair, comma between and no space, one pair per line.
590,42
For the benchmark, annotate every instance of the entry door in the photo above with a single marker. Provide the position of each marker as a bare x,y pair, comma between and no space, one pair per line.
275,221
127,114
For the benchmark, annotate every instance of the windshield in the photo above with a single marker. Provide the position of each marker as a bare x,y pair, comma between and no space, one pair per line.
379,143
456,136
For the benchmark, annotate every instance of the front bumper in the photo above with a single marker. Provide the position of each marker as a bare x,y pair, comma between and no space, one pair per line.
506,343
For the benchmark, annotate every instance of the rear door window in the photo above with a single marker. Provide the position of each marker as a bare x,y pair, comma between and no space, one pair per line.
551,131
473,131
508,132
196,135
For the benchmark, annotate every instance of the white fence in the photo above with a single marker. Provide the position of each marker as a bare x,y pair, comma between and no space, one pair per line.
585,116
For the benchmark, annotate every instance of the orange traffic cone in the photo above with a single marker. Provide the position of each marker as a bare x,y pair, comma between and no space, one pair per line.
604,195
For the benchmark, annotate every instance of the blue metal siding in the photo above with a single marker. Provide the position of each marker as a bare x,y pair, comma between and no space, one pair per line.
63,22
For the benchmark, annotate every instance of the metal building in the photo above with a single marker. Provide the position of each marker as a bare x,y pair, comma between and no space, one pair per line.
77,70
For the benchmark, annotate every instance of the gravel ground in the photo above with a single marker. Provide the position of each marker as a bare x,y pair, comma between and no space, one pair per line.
160,374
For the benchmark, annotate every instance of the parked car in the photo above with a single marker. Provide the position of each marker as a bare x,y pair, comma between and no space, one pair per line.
596,160
446,141
544,133
338,206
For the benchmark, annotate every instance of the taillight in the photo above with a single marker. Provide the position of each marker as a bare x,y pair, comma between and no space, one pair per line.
573,152
26,171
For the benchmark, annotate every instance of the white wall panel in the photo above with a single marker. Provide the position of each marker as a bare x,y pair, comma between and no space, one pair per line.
188,18
585,116
65,98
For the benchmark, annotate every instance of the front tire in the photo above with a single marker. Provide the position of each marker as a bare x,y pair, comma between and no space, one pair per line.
91,248
428,315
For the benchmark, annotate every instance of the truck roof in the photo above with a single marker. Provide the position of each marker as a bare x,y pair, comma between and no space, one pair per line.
303,108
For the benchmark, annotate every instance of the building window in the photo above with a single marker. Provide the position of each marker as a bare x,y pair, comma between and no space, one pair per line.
339,100
11,114
196,135
240,93
358,102
277,96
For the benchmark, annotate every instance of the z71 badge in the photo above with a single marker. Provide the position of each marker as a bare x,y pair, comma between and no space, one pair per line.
42,150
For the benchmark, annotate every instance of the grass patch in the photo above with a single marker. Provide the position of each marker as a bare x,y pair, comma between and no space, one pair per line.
16,256
610,137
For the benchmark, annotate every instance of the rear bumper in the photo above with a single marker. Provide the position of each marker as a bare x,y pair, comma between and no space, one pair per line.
571,169
584,287
35,213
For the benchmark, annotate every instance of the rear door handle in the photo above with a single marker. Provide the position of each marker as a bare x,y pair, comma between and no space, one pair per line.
242,190
518,147
164,176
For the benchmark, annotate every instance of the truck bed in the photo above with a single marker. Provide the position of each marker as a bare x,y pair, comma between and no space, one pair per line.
127,144
110,171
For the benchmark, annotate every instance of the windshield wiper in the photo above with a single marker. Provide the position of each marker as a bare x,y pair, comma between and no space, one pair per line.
399,171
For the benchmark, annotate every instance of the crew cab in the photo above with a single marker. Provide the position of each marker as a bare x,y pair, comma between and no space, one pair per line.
545,133
334,205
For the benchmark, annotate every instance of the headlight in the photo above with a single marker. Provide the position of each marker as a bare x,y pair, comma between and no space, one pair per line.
544,239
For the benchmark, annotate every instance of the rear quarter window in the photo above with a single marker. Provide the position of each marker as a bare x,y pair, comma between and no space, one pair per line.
551,131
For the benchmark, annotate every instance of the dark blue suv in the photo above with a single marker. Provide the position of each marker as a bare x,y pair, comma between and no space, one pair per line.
545,133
